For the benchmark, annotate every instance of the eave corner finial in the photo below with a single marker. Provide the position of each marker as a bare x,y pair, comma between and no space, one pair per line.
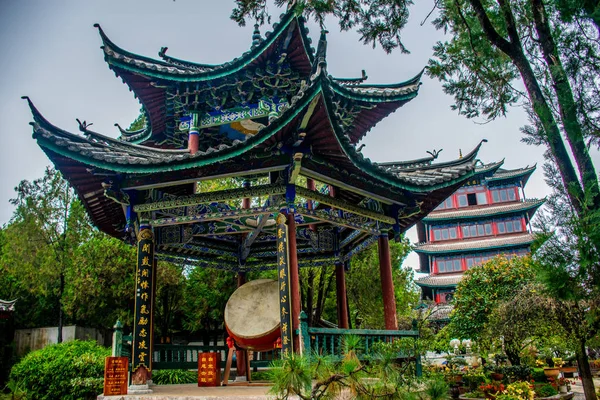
83,125
435,153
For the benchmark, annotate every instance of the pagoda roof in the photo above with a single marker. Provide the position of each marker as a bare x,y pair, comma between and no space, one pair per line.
488,169
101,151
529,206
441,312
7,305
169,87
511,174
444,280
463,246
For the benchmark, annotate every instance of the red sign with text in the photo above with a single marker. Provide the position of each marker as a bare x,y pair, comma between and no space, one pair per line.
209,369
115,376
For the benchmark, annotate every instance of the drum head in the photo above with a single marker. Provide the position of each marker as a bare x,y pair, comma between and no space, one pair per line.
253,310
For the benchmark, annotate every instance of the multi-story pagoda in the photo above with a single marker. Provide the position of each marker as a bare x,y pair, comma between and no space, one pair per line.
489,215
275,119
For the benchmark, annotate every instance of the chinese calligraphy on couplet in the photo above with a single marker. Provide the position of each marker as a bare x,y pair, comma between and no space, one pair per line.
284,297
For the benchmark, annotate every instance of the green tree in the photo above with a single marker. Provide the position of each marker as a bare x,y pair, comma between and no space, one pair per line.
206,294
99,289
363,285
494,44
568,265
523,321
379,21
48,225
482,290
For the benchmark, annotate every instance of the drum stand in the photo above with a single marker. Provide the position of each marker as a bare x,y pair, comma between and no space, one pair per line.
228,369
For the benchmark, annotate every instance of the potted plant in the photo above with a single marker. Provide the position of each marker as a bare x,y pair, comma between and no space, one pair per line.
553,371
564,385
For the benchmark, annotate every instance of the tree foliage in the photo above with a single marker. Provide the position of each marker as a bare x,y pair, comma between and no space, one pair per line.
363,285
494,44
483,288
377,21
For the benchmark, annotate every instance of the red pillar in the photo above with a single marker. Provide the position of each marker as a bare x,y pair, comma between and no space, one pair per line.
240,355
342,306
294,279
387,283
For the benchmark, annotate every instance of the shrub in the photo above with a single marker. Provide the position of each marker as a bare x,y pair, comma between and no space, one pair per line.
174,376
520,390
537,374
436,389
545,390
71,370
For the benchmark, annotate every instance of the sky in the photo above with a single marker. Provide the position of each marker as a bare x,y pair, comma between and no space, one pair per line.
50,52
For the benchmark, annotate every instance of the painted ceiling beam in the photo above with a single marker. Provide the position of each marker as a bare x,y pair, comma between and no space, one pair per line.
190,219
343,205
211,197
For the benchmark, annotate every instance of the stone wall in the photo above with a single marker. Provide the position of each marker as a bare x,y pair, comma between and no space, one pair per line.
34,339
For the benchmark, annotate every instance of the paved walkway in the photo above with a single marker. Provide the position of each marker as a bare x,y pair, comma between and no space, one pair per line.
193,392
577,388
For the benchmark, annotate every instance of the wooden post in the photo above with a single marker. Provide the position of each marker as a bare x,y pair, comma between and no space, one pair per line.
117,340
340,288
194,134
294,280
387,283
240,355
141,351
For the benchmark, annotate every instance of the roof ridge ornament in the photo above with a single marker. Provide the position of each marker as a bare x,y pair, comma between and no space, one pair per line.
256,37
320,63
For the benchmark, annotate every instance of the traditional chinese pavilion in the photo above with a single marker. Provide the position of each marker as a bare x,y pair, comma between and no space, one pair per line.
487,216
275,119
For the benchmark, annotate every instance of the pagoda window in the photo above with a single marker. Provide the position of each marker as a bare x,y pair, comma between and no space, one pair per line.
450,264
471,196
476,230
481,198
504,194
446,204
510,226
445,233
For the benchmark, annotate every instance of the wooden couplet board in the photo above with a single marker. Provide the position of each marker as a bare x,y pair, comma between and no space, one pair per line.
209,369
283,276
115,376
143,322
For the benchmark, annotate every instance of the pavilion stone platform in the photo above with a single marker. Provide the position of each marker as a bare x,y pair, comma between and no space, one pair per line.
193,392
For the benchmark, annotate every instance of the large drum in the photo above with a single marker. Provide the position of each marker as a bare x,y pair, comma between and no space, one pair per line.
252,315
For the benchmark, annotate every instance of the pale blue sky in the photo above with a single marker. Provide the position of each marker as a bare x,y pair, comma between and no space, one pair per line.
50,52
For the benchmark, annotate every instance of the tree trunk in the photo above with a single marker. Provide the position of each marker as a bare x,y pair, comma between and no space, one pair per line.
514,50
310,291
513,356
61,290
566,103
585,372
320,296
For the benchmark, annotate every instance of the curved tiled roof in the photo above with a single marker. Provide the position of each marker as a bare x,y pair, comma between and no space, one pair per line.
485,211
104,152
450,280
503,174
494,242
7,305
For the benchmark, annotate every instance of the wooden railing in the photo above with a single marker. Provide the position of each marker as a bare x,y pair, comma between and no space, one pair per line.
324,341
329,341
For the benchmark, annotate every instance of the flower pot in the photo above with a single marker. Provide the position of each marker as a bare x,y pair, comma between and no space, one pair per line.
552,372
562,389
568,371
497,376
